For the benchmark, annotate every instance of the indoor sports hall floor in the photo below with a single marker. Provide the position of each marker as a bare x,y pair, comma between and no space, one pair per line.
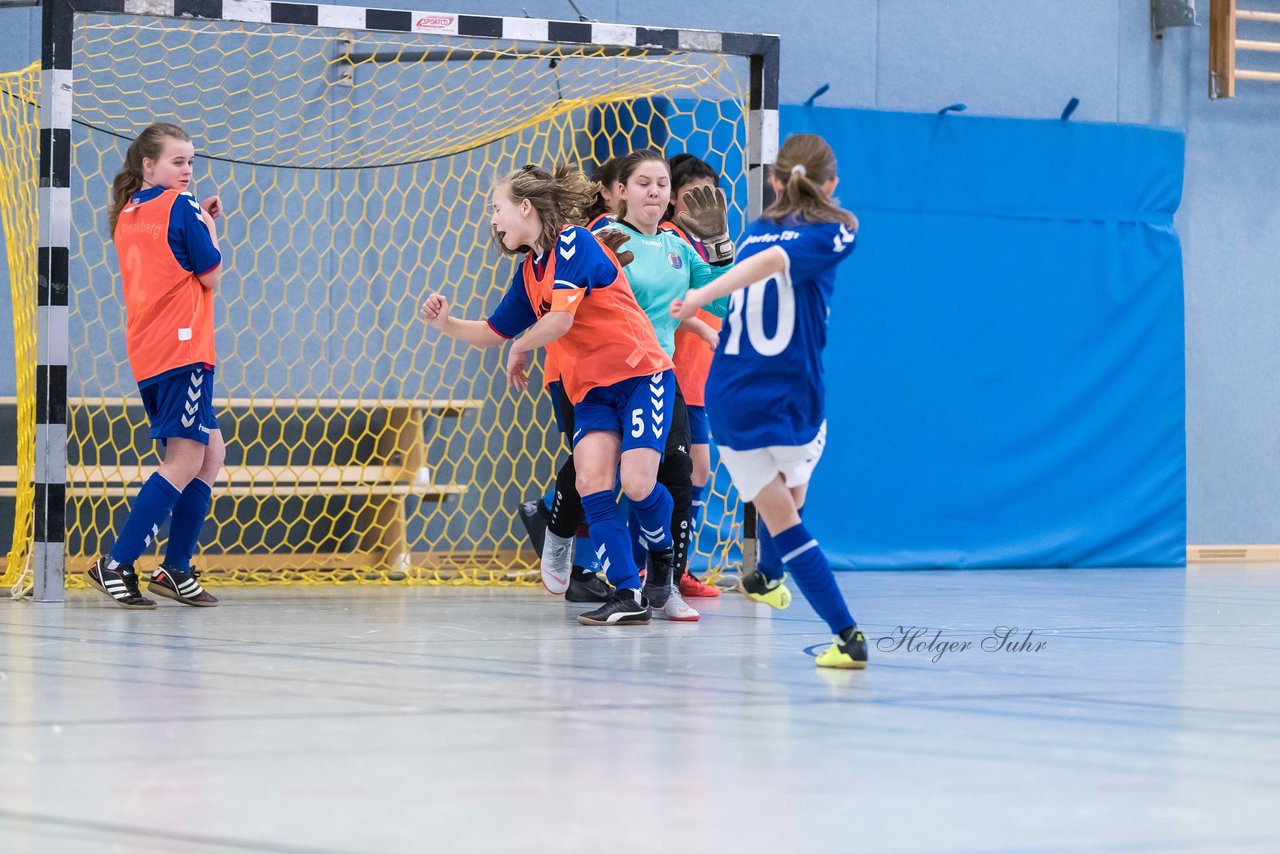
362,719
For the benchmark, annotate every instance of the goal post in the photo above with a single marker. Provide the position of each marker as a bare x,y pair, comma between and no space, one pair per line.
354,149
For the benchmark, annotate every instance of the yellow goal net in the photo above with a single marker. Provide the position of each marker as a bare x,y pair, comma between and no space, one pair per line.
354,155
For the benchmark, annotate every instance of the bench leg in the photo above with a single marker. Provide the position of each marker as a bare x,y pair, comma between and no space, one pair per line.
384,531
401,443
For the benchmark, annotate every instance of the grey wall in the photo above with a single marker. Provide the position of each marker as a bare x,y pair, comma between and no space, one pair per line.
1027,58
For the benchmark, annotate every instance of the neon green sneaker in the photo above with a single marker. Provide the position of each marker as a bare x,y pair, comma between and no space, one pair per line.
772,593
847,652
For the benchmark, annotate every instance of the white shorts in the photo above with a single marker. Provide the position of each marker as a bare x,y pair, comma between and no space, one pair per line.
753,470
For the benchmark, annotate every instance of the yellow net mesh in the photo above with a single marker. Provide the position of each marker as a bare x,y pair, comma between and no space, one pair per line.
19,152
355,169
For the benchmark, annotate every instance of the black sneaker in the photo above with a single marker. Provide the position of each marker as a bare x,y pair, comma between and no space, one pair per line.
848,651
772,592
121,584
624,608
535,516
587,587
172,583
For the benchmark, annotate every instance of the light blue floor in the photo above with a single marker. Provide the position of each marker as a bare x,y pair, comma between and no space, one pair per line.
460,720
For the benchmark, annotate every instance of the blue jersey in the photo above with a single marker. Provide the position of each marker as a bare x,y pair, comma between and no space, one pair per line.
766,386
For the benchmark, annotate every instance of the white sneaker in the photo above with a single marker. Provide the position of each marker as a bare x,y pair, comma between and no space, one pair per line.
557,563
676,609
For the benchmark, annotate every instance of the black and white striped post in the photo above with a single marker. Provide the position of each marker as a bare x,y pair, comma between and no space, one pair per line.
48,554
762,151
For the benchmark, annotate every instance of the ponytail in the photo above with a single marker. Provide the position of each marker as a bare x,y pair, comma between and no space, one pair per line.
806,162
129,180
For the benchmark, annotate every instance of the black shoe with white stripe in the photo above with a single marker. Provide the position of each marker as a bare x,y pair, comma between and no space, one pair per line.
624,608
172,583
121,584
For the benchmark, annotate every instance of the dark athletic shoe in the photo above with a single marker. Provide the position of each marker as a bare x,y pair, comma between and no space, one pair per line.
848,651
172,583
624,608
121,584
585,586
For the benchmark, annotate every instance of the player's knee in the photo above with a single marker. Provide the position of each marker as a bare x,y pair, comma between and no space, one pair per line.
215,457
590,484
180,472
638,485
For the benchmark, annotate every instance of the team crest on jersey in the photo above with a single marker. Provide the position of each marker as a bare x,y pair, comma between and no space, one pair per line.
674,259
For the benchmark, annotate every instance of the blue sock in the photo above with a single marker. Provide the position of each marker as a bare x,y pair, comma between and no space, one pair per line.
150,510
584,554
611,540
696,508
188,519
654,514
639,552
768,561
808,566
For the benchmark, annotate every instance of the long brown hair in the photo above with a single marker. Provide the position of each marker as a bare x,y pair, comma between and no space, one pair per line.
806,162
627,166
149,145
605,175
560,198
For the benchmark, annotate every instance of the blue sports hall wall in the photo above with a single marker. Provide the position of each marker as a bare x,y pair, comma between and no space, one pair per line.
1005,369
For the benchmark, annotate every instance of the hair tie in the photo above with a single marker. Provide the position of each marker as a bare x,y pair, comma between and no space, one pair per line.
798,169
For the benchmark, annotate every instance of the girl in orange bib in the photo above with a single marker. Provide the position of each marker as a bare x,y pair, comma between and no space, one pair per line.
570,295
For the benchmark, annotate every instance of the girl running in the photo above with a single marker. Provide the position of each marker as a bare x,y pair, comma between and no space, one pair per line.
765,392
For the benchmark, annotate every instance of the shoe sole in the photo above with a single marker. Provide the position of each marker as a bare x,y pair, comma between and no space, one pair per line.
755,598
715,592
857,665
97,586
160,590
695,618
587,621
547,587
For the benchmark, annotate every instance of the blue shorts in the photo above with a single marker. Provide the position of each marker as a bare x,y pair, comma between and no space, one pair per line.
699,426
179,404
641,409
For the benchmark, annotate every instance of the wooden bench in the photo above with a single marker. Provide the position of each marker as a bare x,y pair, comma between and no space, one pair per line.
382,484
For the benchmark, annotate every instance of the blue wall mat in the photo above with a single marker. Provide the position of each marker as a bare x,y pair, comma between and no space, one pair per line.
1005,368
